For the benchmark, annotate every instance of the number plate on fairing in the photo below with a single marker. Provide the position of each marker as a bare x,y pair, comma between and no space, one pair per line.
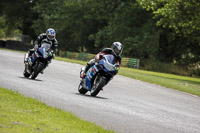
91,72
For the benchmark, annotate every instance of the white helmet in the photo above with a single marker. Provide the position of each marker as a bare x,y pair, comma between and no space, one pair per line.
51,34
117,48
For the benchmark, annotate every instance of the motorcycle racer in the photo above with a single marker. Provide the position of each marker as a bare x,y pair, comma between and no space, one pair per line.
116,50
48,37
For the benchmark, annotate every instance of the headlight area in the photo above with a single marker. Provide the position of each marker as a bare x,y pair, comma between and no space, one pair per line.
109,67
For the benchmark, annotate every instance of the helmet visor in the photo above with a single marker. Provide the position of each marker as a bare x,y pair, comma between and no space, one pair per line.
51,37
117,51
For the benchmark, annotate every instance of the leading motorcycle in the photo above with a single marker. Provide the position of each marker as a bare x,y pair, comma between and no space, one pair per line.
98,75
37,61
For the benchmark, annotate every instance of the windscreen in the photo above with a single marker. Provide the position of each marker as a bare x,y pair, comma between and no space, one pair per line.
46,46
110,59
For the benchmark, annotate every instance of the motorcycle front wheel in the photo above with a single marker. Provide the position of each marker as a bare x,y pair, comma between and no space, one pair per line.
99,82
25,73
37,70
81,89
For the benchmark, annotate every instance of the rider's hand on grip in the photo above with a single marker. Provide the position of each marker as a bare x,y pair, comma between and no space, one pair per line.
117,67
98,57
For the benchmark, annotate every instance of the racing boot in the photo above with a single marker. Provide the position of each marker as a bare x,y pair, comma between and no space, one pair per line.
26,58
83,71
27,55
42,72
82,75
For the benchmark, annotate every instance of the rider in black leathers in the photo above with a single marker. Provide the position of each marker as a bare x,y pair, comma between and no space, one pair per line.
48,37
115,50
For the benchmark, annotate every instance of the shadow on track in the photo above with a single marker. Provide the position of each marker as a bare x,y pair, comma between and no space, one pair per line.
85,95
30,78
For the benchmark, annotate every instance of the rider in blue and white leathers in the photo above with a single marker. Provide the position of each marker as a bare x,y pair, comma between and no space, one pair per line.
115,50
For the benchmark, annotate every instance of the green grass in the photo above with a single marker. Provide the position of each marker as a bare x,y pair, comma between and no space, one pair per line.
19,114
70,60
13,50
182,83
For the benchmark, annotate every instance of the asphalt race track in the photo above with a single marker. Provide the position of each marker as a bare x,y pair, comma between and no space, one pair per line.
125,105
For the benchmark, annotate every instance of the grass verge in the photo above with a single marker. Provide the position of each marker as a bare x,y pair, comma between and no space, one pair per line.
13,50
182,83
19,114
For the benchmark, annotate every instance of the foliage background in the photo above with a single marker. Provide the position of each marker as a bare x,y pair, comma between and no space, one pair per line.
158,32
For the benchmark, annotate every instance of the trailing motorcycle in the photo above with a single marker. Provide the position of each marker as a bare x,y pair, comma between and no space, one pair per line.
37,61
98,75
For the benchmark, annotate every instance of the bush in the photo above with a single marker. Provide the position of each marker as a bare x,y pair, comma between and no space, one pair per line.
157,66
61,53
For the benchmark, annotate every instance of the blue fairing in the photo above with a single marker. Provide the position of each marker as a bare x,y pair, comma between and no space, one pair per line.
42,52
102,63
34,56
89,75
111,60
100,67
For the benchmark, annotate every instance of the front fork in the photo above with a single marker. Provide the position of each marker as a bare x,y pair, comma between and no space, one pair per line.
27,67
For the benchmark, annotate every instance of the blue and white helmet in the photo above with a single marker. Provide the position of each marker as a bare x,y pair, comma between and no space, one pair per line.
117,48
51,34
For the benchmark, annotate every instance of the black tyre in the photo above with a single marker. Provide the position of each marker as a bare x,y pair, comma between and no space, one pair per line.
99,82
26,74
81,89
37,71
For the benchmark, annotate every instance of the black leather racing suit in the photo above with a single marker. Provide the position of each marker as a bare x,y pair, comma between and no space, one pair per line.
43,38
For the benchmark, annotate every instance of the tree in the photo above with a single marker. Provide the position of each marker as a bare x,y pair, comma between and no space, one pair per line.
75,20
183,16
180,20
132,26
18,15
